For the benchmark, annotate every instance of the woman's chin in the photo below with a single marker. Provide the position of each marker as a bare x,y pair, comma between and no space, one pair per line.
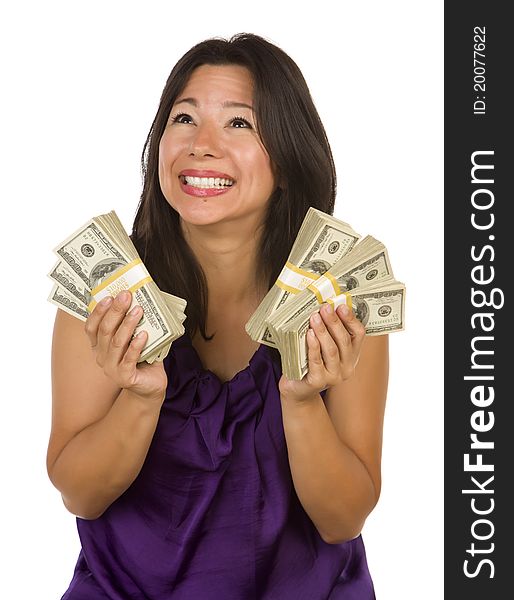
204,212
199,216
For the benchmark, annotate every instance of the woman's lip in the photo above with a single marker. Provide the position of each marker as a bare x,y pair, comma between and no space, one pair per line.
202,192
205,173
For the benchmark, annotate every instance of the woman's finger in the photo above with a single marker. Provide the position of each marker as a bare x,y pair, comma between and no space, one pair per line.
111,321
132,354
329,349
122,337
314,351
93,320
316,373
354,327
340,334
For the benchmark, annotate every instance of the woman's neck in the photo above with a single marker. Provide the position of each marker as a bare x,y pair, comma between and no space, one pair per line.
228,256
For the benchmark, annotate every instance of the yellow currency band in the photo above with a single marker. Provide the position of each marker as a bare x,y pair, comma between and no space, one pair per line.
293,279
337,300
131,277
325,287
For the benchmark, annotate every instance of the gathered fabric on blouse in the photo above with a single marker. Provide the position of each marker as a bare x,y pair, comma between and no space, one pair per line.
213,514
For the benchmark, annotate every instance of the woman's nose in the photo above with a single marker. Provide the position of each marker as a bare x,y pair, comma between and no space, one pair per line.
205,141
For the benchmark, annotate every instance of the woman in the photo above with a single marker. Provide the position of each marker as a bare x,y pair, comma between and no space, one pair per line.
211,475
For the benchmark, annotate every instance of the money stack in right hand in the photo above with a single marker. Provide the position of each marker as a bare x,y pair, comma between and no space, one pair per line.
100,260
361,276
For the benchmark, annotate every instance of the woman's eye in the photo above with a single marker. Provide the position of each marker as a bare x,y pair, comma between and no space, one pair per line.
181,118
239,122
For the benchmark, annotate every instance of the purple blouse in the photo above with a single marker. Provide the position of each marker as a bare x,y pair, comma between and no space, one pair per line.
213,514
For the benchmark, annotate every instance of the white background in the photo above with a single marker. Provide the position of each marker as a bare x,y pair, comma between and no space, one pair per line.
81,83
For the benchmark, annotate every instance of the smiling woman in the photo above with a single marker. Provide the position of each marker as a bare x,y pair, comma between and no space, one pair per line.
211,475
272,106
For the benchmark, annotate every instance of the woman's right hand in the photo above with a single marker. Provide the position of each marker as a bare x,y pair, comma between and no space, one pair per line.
110,329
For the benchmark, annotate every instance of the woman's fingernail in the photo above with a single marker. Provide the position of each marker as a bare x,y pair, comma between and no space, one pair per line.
106,301
344,310
327,309
134,311
316,318
123,296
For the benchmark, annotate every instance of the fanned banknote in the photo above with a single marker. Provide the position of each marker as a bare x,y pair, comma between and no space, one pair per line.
98,260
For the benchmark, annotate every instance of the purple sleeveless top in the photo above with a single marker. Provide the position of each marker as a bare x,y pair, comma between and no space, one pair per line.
213,514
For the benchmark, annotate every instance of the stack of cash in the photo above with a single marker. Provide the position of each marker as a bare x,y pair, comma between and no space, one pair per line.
320,243
362,278
100,260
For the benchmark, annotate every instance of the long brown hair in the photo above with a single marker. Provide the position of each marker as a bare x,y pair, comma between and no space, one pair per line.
295,139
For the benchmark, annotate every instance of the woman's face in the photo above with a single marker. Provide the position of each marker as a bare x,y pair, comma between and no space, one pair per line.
213,167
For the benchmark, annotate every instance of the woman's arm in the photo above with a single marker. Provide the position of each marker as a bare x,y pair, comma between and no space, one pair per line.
335,446
103,418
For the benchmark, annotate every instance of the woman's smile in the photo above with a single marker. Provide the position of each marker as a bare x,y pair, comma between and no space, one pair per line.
205,182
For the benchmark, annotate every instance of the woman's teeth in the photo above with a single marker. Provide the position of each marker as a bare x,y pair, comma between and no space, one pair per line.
207,182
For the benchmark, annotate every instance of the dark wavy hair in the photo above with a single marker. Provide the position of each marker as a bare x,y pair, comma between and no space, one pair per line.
294,137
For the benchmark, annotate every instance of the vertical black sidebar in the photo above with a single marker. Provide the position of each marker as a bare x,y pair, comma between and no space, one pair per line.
477,302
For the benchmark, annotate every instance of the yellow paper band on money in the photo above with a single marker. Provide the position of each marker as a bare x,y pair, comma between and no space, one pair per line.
344,298
325,287
293,279
129,277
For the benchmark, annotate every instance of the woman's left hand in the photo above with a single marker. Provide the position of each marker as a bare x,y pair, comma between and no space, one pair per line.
334,342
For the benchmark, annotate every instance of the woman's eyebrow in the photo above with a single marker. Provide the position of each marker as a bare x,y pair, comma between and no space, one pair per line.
226,104
187,101
231,104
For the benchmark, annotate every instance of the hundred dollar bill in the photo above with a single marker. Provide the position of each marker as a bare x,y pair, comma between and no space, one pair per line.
381,311
66,301
66,278
321,241
91,255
